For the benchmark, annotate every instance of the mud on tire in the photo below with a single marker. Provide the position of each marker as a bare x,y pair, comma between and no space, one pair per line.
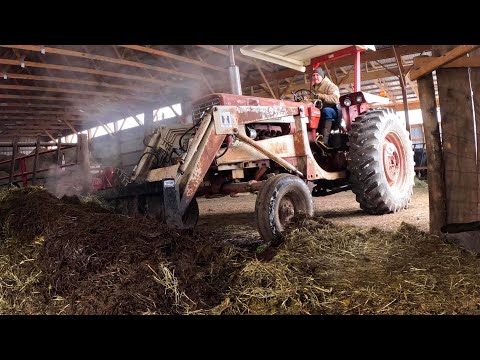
380,162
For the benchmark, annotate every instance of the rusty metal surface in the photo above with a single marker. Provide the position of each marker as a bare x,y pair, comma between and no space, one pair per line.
269,154
200,163
282,146
238,100
231,188
260,172
305,158
227,118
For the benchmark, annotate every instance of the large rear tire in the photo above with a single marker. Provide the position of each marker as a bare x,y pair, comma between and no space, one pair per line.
380,162
280,199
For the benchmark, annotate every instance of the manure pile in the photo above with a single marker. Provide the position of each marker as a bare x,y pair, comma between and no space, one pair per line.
75,256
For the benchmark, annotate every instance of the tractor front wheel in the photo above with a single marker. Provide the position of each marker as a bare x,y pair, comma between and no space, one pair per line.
280,199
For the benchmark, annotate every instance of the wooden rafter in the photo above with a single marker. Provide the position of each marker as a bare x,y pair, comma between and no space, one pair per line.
49,135
97,72
264,78
52,79
39,112
472,61
75,91
174,57
210,87
225,53
70,126
37,120
434,64
84,55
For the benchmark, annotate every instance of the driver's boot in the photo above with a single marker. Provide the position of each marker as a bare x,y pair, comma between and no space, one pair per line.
326,131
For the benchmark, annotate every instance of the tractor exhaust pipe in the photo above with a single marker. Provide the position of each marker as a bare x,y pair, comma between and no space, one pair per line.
234,73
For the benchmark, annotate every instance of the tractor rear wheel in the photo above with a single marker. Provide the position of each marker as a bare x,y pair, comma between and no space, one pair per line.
380,162
280,199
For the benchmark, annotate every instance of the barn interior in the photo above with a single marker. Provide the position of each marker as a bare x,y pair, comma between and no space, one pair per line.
76,120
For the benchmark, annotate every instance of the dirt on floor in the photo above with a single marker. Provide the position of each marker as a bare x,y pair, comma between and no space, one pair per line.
238,213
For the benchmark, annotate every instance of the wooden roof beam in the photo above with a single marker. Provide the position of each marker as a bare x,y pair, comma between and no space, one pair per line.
84,55
49,135
174,57
35,126
33,119
107,129
39,112
97,72
372,75
71,108
160,91
70,126
464,62
237,57
459,51
78,81
75,91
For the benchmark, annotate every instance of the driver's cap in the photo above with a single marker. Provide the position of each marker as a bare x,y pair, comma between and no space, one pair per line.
319,71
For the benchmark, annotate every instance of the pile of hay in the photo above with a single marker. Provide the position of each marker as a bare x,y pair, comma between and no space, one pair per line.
324,268
69,257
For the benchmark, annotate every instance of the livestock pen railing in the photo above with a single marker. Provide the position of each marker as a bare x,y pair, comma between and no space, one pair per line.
23,173
20,173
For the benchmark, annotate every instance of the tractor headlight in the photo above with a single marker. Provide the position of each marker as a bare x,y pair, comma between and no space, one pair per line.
359,99
347,102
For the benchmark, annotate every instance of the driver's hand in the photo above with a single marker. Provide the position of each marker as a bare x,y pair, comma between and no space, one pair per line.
318,103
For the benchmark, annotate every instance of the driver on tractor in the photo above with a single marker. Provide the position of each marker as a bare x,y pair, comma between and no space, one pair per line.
329,94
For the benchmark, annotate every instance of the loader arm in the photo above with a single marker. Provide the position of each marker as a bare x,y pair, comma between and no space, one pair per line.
200,158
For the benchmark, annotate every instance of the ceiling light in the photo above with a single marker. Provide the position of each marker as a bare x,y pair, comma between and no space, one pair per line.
42,50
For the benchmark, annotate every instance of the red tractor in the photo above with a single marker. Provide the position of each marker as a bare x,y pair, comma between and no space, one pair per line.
242,143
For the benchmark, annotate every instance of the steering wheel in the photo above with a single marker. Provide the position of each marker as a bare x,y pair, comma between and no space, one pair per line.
303,94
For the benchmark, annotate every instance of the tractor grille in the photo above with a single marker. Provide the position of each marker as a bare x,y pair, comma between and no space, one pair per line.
198,109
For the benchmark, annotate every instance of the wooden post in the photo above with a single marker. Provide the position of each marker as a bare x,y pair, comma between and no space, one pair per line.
436,185
35,161
83,162
475,82
458,142
14,156
401,77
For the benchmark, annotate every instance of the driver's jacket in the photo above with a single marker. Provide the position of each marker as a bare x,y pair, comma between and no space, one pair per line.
328,92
